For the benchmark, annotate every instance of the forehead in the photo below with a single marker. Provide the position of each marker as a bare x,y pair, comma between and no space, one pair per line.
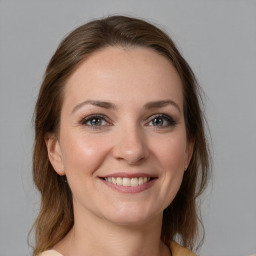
124,72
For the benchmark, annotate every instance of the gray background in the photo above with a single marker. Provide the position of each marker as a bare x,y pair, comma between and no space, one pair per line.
218,38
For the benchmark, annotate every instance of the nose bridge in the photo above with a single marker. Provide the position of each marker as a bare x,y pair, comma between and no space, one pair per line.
131,144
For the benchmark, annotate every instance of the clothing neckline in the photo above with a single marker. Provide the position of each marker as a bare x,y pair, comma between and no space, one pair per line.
52,252
176,249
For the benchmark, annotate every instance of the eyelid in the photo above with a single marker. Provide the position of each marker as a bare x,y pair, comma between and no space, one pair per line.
170,119
87,118
83,121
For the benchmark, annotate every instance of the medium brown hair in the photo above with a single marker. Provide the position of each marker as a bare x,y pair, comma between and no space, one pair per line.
55,219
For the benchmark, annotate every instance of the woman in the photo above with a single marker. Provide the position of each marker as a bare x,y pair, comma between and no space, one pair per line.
120,152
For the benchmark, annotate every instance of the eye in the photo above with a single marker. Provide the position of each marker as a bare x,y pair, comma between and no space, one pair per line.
161,121
95,121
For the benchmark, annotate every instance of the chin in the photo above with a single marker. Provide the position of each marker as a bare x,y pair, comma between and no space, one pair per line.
133,217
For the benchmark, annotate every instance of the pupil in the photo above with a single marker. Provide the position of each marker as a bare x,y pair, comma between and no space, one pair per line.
96,121
158,121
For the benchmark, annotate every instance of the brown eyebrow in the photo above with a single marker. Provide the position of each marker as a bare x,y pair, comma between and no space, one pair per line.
161,104
101,104
109,105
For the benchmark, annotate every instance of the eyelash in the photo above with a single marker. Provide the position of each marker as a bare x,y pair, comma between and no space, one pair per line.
102,118
165,118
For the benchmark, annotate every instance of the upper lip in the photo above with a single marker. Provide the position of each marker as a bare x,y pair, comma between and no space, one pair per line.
129,175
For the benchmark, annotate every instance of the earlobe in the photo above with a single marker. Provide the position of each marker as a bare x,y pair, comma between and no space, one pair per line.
54,153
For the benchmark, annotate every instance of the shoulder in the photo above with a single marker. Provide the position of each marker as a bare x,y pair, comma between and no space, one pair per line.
178,250
50,253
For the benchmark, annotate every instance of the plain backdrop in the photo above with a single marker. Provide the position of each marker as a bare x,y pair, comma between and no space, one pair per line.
218,39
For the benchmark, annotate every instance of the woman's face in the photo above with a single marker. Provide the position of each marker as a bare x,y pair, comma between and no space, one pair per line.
122,141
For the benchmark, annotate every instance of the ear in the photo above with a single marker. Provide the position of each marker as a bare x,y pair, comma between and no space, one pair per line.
189,152
54,153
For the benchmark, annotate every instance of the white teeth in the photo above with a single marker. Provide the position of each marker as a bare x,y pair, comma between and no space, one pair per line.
127,182
119,181
134,182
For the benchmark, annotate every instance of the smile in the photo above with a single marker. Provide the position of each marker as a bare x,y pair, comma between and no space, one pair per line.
128,182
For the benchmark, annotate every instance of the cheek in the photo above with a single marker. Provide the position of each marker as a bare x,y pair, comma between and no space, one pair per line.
83,154
172,153
171,156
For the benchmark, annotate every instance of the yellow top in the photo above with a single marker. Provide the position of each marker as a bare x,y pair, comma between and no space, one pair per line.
50,253
177,250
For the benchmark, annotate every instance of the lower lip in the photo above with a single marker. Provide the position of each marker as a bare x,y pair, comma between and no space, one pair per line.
130,189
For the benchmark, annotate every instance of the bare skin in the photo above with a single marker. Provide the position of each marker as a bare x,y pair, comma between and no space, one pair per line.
123,147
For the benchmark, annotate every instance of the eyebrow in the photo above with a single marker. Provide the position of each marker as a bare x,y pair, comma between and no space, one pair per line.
109,105
97,103
161,104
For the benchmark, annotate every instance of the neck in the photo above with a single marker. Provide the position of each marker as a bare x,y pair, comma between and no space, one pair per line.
91,235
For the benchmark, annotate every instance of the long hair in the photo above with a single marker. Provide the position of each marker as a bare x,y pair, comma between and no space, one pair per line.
56,217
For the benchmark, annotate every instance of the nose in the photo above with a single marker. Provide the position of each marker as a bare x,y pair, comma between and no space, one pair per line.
131,146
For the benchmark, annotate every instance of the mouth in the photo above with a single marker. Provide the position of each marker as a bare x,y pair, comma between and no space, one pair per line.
128,182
